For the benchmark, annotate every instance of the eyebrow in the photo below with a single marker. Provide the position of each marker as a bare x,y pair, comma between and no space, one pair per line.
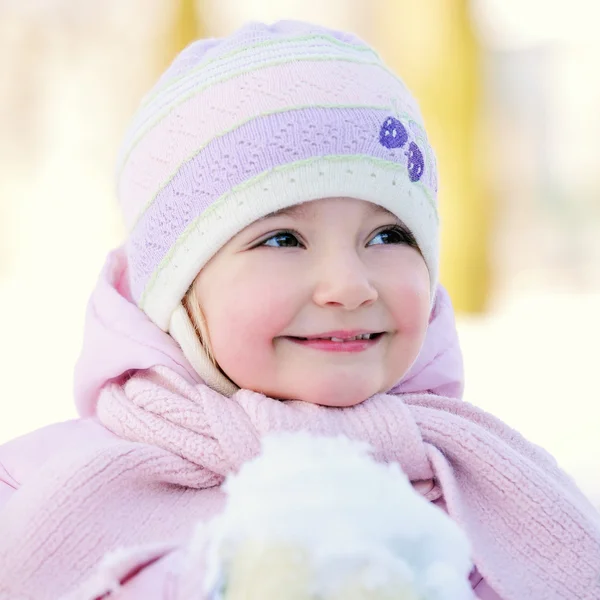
303,210
296,210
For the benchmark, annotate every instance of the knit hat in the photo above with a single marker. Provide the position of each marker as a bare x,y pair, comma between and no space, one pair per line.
235,129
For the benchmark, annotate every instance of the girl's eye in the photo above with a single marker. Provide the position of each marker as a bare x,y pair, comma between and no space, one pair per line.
283,239
393,235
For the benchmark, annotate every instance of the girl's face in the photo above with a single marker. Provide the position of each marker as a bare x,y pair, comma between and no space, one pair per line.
286,298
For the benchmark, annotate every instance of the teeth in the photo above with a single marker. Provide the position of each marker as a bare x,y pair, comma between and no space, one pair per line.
362,336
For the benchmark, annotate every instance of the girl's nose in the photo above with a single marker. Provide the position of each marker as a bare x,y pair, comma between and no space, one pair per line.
344,283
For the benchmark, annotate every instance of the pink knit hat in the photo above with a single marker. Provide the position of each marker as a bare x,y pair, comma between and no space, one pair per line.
238,128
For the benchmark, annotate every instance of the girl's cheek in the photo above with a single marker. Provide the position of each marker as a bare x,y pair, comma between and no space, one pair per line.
412,303
272,289
259,311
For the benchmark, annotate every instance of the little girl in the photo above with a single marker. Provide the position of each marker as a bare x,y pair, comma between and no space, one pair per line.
280,274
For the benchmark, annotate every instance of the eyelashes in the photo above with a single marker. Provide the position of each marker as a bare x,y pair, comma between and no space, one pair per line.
282,239
388,235
394,235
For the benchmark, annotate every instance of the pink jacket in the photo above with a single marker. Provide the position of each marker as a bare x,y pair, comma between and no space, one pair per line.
121,341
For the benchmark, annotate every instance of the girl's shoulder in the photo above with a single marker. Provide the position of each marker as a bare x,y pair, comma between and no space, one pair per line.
21,457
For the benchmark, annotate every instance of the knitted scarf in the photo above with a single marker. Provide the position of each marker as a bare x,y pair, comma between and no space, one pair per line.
533,534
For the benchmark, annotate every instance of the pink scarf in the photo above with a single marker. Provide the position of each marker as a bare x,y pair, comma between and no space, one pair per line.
533,534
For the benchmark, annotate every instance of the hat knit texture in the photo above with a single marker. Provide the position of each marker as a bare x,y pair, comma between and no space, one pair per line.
238,128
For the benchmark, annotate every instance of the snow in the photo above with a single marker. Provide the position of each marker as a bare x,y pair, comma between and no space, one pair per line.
350,514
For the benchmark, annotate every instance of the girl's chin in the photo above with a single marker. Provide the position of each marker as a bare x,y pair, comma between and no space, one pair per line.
338,390
336,396
337,402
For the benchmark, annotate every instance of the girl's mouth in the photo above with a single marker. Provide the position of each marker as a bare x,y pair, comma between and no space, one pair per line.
339,341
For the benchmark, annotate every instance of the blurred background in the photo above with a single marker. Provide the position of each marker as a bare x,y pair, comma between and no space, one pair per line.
509,90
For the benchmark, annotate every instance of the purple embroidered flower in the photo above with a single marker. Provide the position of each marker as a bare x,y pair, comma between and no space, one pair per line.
393,134
416,166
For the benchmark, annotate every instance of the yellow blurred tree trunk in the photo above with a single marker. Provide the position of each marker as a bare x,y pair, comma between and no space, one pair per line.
432,45
187,26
